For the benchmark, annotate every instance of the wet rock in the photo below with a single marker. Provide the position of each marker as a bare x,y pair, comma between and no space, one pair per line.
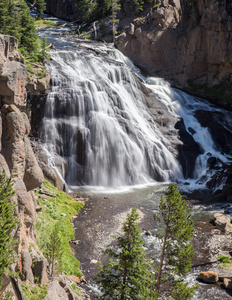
148,233
222,222
208,277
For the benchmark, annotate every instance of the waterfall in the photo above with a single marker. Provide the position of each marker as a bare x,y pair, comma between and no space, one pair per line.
97,118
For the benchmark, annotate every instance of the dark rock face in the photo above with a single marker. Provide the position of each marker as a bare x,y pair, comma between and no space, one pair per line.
220,128
188,151
66,10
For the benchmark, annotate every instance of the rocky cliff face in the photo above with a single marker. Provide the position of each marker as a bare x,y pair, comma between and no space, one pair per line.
17,156
186,42
66,10
188,45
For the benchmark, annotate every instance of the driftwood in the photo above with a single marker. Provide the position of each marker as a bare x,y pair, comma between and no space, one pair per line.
63,25
91,49
46,193
33,64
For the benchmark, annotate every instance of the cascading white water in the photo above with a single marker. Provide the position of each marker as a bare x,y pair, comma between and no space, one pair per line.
95,117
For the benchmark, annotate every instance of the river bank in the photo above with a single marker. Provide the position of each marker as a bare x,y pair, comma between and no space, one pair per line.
100,222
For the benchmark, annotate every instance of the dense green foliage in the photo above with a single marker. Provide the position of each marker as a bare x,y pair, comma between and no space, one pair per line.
58,209
40,5
16,21
127,275
177,250
34,292
8,223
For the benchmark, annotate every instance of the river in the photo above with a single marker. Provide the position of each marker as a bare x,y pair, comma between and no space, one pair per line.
124,137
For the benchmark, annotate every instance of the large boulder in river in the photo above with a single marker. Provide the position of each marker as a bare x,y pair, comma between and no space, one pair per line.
208,277
222,222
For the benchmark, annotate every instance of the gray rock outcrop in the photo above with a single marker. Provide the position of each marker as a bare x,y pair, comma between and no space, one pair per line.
189,46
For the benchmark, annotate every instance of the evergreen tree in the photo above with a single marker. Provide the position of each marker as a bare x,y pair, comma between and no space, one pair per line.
177,250
7,223
44,53
28,42
9,21
115,8
127,275
53,251
15,20
41,6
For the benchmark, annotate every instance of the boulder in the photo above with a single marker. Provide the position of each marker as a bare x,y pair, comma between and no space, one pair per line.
227,283
26,266
12,83
222,222
33,176
131,29
40,270
208,277
56,292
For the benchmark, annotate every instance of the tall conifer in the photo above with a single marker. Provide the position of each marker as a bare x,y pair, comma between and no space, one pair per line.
7,223
177,250
127,275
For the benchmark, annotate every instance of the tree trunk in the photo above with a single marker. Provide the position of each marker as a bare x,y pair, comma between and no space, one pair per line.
162,256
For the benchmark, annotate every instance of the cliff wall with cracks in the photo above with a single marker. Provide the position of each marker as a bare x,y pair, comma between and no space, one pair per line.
189,45
17,157
188,42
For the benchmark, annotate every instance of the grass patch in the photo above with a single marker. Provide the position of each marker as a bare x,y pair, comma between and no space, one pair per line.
35,291
58,209
75,289
44,23
225,261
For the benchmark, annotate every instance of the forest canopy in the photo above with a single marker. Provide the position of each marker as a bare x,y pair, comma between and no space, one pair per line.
15,20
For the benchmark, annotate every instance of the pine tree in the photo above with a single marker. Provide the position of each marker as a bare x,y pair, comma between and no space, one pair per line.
7,223
28,42
115,8
41,6
177,250
127,275
15,20
53,251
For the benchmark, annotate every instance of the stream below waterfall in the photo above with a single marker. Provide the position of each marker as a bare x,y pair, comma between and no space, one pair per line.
124,137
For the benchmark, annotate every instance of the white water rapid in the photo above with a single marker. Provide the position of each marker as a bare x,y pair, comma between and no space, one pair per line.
97,118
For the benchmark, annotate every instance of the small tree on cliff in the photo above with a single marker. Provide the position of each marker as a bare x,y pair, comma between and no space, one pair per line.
177,250
7,223
127,275
53,251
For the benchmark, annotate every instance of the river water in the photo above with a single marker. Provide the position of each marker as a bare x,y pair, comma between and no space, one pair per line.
122,149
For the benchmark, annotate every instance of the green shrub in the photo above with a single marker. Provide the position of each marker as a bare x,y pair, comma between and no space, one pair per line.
34,291
58,210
